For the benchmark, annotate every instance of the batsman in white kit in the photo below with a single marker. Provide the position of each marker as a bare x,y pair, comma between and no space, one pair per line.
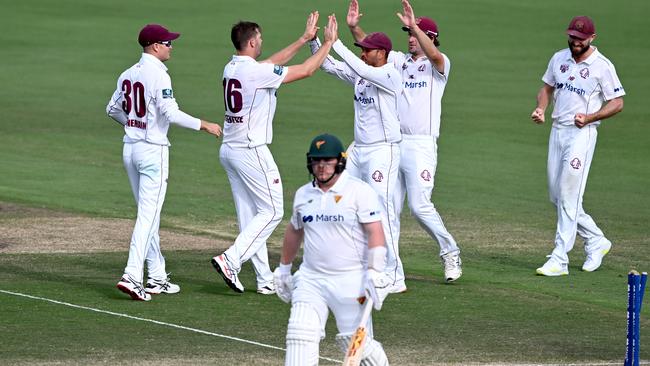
144,104
250,96
425,71
375,156
339,219
585,90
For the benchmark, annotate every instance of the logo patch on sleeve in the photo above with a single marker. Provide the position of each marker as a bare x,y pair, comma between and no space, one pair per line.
278,69
167,93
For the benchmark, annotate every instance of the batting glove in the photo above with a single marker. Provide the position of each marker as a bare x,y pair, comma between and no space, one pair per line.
377,287
283,282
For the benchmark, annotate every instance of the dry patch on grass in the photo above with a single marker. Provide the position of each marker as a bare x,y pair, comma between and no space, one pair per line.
35,230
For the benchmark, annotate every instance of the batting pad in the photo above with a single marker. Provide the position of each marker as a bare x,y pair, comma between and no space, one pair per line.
373,352
303,335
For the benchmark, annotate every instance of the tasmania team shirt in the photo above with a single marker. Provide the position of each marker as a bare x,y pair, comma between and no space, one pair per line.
376,94
421,99
250,99
335,241
580,87
144,103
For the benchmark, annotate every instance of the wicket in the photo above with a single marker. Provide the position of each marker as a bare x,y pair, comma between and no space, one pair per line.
635,289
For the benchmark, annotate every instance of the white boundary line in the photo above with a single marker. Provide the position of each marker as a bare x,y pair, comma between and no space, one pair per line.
155,322
267,345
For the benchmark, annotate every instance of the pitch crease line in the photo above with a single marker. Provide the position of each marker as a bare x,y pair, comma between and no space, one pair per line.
155,322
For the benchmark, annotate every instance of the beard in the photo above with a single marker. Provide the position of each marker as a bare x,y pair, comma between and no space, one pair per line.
579,50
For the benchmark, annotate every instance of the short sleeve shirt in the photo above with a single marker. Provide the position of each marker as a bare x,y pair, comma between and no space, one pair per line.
335,241
580,87
250,97
421,99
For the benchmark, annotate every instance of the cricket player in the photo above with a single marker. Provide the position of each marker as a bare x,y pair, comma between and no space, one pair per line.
425,71
585,90
250,92
144,104
339,218
375,156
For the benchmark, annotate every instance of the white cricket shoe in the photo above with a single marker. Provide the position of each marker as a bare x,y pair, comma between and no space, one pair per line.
452,264
595,255
133,288
266,289
155,287
553,268
225,269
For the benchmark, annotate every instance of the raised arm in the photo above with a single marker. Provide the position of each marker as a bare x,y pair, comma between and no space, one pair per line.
543,98
430,50
285,55
333,66
376,75
310,65
353,21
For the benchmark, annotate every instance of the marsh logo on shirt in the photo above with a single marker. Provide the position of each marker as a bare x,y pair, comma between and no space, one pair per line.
364,100
330,218
323,218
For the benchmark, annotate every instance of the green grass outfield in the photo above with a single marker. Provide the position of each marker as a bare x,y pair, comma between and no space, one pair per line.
58,150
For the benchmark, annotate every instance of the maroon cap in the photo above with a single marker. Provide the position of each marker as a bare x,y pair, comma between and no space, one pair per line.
376,41
152,33
581,27
428,26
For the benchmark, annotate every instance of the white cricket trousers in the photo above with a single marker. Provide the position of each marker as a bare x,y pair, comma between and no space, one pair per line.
570,152
257,190
378,165
147,166
417,172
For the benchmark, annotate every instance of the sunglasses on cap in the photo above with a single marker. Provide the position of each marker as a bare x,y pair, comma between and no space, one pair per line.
166,43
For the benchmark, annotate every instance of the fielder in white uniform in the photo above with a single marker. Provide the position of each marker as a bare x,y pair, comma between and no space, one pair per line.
585,90
144,104
339,218
425,71
375,156
250,92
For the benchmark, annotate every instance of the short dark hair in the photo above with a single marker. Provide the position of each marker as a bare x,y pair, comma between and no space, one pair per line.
242,32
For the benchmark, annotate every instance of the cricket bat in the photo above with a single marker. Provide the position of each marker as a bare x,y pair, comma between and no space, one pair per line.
354,353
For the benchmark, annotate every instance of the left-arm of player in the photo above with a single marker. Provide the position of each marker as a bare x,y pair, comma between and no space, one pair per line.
114,107
430,50
376,282
609,109
376,75
286,54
